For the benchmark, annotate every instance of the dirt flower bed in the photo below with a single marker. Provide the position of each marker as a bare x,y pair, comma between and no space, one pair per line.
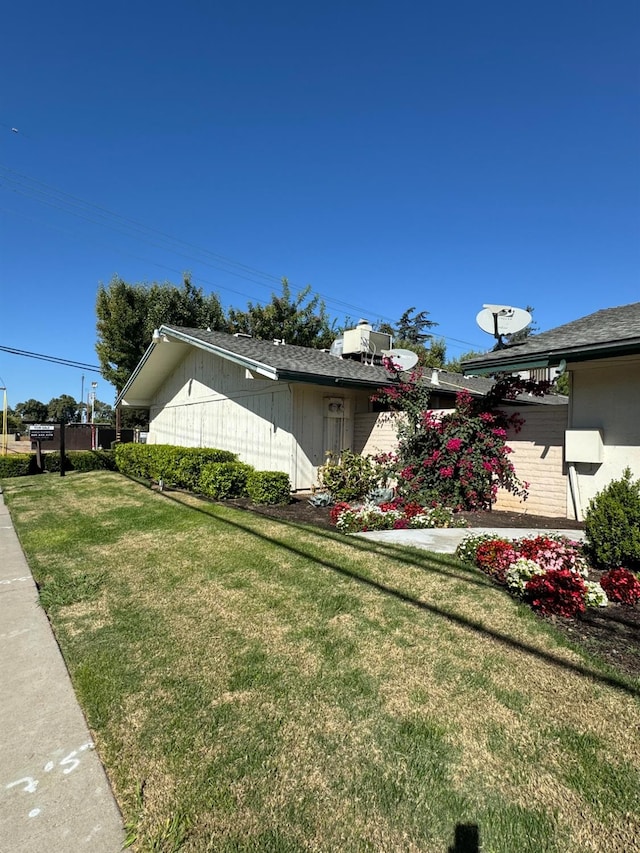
610,633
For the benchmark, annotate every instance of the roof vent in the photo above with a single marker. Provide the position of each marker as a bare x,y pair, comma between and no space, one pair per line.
435,377
241,335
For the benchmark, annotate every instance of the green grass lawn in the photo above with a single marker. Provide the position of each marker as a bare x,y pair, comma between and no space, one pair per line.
259,686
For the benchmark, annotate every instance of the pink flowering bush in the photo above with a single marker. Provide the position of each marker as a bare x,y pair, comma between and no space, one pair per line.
460,458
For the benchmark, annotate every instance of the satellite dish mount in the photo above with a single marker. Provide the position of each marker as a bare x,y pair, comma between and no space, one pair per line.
499,320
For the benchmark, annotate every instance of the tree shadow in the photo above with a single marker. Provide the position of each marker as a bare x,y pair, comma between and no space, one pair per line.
449,615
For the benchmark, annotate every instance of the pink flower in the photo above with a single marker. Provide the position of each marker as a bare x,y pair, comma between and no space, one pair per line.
447,471
454,444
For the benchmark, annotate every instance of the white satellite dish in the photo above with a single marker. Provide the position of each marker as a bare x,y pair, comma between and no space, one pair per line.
404,359
337,347
498,320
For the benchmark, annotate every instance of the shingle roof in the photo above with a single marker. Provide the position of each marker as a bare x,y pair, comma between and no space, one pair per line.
284,362
606,333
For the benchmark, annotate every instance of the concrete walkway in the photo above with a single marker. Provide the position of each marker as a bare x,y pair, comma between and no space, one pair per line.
54,794
445,541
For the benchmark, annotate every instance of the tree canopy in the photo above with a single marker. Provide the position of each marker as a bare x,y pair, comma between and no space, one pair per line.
294,319
128,313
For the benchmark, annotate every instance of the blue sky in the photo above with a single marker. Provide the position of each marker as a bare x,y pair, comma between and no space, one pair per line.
436,155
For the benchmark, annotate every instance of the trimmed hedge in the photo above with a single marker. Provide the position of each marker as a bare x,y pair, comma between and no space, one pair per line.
81,460
24,464
269,487
222,480
175,466
18,465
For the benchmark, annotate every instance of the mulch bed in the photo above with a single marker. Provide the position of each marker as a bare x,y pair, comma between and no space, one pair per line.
611,633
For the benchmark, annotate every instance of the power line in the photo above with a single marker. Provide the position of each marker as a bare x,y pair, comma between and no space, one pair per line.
46,194
66,362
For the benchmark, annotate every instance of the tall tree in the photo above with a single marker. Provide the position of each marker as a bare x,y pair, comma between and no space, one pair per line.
298,320
411,332
63,409
32,411
128,313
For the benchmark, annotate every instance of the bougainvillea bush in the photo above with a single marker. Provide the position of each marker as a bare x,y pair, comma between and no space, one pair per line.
394,515
548,572
460,458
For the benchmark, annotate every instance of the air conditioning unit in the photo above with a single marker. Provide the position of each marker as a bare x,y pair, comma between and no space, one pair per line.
363,339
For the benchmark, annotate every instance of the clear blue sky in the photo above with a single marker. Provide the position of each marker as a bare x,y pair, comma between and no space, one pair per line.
389,154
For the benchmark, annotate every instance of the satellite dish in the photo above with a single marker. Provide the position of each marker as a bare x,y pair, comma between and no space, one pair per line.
499,320
336,347
404,359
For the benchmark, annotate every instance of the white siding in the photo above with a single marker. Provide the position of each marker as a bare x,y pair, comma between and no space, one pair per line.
209,402
605,395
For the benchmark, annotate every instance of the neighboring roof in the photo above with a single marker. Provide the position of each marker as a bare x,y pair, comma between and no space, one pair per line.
605,334
270,360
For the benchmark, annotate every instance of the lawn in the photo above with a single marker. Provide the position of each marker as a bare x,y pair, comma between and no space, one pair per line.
257,685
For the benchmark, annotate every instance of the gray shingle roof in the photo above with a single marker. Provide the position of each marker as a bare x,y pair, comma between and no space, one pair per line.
606,333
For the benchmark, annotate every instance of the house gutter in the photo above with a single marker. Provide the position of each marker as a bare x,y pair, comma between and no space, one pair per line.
552,358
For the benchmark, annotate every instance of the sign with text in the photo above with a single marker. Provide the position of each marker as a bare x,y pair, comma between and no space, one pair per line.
41,432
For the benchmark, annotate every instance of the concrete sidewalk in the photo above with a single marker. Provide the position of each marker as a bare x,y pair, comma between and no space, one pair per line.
446,540
54,794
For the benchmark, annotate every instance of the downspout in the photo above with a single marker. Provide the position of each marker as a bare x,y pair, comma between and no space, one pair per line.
575,492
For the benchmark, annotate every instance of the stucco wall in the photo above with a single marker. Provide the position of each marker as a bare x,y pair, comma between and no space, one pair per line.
605,395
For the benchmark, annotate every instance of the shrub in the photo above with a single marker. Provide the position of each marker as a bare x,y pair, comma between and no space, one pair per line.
223,480
621,585
18,465
81,460
351,479
269,487
612,525
558,591
176,466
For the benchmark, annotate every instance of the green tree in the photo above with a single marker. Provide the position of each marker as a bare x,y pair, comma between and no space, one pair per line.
298,320
411,332
63,409
127,314
103,413
454,365
32,411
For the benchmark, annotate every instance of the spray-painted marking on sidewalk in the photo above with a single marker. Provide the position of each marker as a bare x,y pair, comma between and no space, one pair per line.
29,784
17,580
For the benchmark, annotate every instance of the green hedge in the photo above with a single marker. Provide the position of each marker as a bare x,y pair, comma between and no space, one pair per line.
269,487
81,460
222,480
24,464
18,465
175,466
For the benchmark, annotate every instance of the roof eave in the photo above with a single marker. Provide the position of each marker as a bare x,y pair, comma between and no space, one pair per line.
552,358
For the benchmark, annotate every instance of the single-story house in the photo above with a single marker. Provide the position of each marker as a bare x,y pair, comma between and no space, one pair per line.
279,407
601,352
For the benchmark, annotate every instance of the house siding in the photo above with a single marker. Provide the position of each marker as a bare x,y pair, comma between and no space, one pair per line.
209,402
605,395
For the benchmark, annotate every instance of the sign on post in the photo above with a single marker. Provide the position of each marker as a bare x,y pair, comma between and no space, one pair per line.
41,432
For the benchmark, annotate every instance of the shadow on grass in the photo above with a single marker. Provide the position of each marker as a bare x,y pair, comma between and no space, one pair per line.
466,839
465,622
